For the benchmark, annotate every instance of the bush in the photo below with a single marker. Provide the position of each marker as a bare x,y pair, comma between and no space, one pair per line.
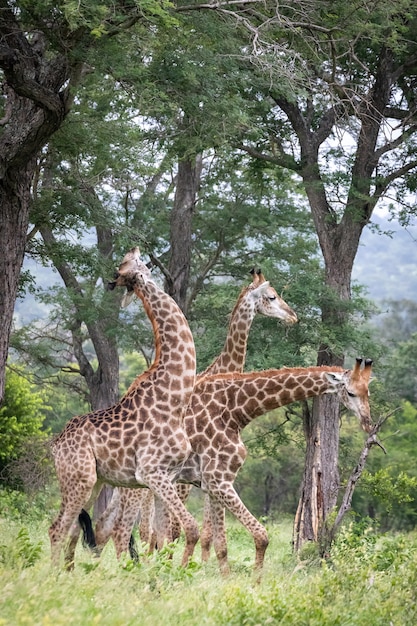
21,420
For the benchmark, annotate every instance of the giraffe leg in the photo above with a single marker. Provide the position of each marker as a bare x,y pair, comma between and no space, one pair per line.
67,524
125,520
77,492
146,519
216,518
69,551
226,495
162,525
183,491
105,522
160,483
206,536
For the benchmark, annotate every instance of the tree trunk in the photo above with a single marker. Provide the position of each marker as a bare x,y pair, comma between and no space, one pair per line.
34,106
188,182
320,484
14,218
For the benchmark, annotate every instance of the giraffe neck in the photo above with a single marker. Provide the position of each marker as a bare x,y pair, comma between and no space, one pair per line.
232,357
175,360
252,394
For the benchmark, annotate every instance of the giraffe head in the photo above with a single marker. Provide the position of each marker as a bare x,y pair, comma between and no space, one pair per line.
266,300
352,388
131,269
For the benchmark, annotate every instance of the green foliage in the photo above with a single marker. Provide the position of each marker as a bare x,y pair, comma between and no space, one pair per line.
389,490
369,579
22,553
161,572
21,416
131,365
20,506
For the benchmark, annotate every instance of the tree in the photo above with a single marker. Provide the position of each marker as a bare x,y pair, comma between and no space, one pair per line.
44,54
348,130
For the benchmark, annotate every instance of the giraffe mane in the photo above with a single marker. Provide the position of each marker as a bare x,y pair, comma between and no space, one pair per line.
227,376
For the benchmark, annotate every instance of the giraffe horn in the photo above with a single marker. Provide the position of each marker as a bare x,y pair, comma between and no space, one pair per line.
357,368
367,370
255,276
261,277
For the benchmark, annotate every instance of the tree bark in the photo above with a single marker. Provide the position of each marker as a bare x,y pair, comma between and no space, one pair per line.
35,105
188,182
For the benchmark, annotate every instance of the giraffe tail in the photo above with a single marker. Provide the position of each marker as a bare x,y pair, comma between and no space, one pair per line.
89,540
134,555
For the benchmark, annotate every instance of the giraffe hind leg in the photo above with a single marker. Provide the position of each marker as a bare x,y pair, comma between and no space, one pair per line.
206,537
65,530
124,522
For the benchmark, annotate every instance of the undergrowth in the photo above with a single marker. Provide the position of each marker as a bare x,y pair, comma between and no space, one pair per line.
369,579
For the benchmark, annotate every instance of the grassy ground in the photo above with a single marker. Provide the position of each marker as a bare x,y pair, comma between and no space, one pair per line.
369,581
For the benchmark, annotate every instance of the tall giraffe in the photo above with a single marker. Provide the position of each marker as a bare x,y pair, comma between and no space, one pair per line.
221,406
256,298
140,441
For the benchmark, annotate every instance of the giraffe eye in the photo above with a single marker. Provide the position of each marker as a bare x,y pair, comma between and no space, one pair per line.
272,297
351,395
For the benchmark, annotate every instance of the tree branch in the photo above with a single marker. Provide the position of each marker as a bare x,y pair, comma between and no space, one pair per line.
282,160
355,476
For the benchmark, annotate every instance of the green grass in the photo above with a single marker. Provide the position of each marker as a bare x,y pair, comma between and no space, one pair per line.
369,580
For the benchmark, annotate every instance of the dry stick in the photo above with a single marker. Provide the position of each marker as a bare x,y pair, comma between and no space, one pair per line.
356,474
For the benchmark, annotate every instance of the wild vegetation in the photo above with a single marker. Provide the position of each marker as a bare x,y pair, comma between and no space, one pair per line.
369,580
217,138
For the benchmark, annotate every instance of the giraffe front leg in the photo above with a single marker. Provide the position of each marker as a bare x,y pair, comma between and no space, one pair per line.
227,495
206,537
161,485
217,528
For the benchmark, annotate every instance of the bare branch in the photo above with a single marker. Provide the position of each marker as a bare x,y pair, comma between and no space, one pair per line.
346,504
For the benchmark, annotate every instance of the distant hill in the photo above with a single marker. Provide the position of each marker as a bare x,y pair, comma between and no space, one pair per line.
387,265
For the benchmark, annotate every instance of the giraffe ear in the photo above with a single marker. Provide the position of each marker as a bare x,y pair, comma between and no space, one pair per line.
336,379
261,289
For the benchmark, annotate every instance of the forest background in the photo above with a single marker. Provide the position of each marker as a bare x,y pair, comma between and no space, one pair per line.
217,139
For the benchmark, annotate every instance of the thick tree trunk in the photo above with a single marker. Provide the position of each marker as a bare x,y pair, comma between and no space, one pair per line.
188,182
320,485
34,106
339,241
14,219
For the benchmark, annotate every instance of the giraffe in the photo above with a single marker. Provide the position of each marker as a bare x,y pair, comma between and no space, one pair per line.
256,298
221,406
140,441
